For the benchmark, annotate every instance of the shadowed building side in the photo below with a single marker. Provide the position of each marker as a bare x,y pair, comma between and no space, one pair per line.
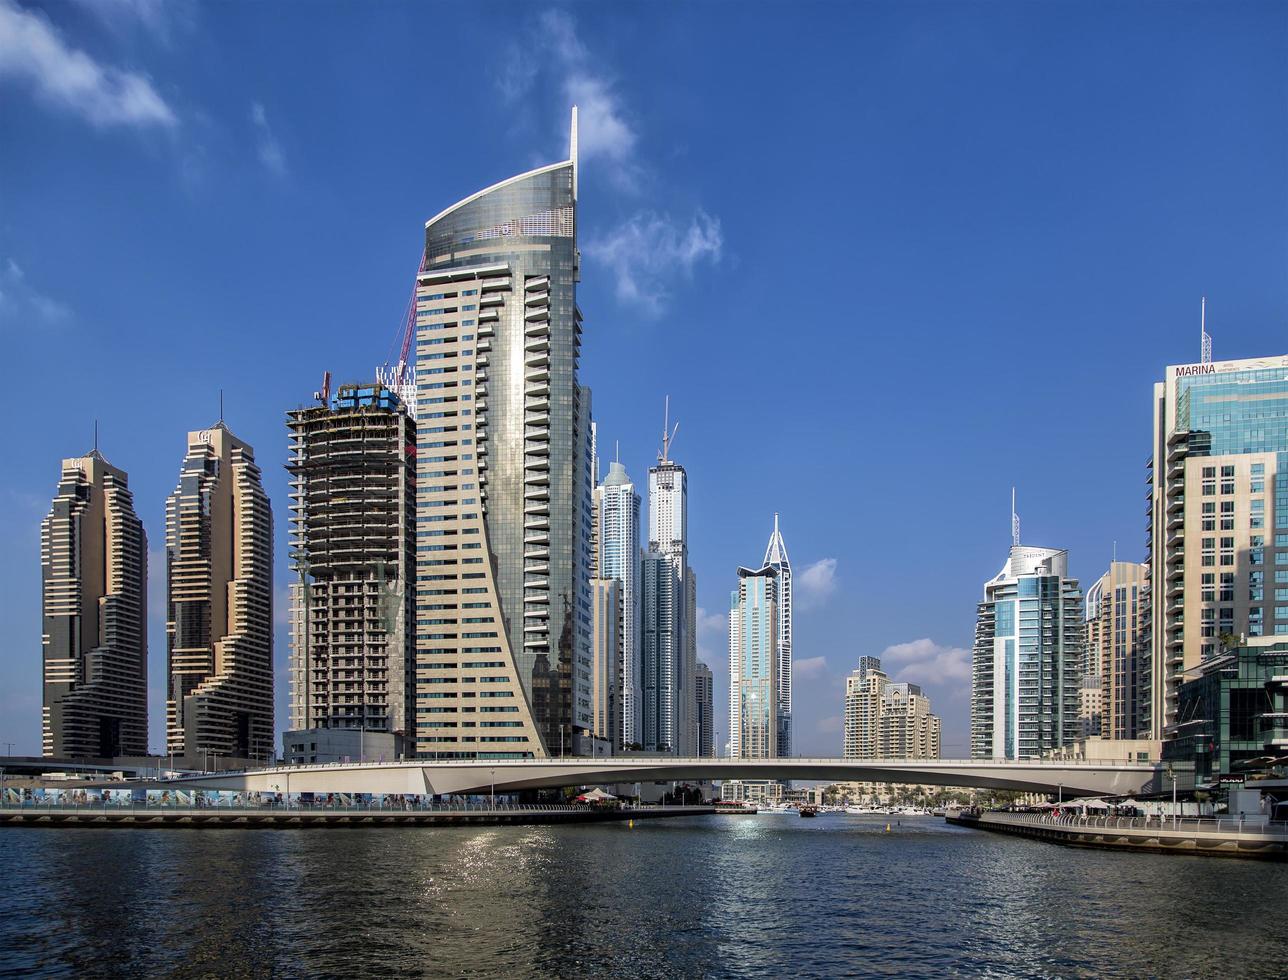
93,560
219,630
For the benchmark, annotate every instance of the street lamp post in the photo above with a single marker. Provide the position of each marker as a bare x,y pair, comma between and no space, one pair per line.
493,773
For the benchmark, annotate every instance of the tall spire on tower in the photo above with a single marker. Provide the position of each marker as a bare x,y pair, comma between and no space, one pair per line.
1205,339
572,151
668,433
1015,522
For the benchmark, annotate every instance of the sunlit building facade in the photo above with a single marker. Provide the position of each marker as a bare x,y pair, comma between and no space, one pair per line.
753,665
1027,659
1218,519
94,649
503,440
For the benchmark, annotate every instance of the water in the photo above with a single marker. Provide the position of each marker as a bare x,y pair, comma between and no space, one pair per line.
759,895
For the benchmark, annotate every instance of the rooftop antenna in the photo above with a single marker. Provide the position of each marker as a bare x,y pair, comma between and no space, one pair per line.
221,404
1115,550
668,433
617,450
96,435
1205,339
1015,522
572,151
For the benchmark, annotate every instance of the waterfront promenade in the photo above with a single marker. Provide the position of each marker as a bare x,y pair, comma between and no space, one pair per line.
296,815
1228,836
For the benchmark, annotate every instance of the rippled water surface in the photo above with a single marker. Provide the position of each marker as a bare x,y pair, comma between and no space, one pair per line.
768,895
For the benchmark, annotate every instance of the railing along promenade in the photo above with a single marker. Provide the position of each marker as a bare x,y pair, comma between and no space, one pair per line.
1236,824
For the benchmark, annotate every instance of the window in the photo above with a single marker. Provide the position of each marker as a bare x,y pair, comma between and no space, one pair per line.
1258,469
1227,471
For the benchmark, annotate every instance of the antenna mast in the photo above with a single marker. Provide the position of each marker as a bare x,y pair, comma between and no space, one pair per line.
668,433
1015,522
1205,340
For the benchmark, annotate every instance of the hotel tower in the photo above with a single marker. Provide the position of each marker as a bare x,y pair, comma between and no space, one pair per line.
219,628
503,475
93,564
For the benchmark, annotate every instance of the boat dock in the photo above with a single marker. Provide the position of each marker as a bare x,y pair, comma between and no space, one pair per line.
1245,837
296,817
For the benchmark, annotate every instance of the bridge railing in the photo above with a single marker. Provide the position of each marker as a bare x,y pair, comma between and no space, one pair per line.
1220,825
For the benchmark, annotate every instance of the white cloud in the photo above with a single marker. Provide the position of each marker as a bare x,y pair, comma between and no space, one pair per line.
160,18
831,725
20,300
814,584
926,662
269,149
809,668
647,249
712,624
34,52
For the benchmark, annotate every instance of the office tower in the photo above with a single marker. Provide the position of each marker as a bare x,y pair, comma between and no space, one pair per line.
503,635
617,556
606,647
885,719
1116,654
776,558
353,487
753,664
1027,663
1218,519
219,628
670,607
863,689
705,690
93,569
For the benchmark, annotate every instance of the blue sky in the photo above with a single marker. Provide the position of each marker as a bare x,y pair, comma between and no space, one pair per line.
886,259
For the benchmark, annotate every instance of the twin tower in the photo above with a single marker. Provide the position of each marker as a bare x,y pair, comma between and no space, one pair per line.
219,609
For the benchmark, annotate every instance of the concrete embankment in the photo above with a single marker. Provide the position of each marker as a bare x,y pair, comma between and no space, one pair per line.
292,818
1221,837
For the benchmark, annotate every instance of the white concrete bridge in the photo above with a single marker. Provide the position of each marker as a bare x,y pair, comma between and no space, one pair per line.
426,777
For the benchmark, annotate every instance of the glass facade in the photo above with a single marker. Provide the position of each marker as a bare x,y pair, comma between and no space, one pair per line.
509,257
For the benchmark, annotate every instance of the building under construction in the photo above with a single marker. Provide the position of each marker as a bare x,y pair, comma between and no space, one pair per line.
353,490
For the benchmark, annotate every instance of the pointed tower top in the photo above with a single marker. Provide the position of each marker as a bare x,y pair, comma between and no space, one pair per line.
668,433
1015,522
572,151
776,553
1205,339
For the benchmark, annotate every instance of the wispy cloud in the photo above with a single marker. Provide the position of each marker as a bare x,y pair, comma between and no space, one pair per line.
926,662
19,300
814,584
809,668
831,725
268,148
33,52
648,249
162,19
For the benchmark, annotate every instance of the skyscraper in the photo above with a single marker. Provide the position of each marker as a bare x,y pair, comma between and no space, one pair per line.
618,557
1027,662
219,629
1116,656
93,565
503,617
753,665
776,558
885,719
1218,519
353,489
606,647
705,686
863,689
670,607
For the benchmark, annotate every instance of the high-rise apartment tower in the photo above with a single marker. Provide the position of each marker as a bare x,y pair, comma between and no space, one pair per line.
93,564
219,629
503,484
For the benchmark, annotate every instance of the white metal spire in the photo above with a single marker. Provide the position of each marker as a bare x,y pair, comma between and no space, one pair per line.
776,552
1205,339
572,151
1015,522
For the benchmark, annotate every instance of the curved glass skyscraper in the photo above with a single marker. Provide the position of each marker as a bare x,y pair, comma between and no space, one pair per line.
503,475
